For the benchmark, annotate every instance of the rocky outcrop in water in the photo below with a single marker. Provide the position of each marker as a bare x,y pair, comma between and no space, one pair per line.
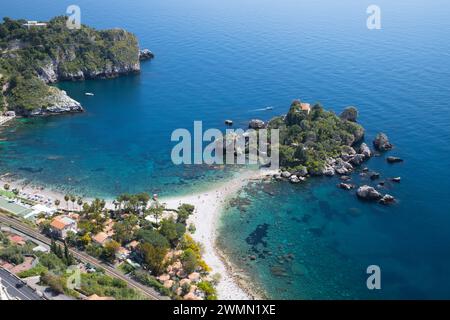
58,103
368,193
256,124
394,159
145,54
349,114
382,143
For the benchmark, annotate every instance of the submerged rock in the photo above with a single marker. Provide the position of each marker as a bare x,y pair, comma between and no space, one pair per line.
374,176
382,143
368,193
345,186
394,159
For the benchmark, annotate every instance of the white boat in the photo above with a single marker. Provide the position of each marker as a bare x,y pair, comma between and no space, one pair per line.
269,108
89,94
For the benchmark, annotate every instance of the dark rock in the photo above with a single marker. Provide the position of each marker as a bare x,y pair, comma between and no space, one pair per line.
349,114
302,172
358,159
145,54
345,178
374,176
256,124
394,159
387,199
382,143
346,186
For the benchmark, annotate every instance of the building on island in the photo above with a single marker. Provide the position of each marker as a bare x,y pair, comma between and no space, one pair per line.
32,23
61,225
305,107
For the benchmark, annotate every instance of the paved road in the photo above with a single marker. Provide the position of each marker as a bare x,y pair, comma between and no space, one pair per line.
81,256
16,288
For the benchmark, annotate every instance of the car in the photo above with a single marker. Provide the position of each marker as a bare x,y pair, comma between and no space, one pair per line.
19,285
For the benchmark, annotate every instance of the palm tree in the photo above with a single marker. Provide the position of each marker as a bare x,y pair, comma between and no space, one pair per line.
73,199
67,198
80,202
6,187
57,203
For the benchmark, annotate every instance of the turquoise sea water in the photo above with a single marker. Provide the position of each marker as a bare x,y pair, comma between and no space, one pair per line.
228,59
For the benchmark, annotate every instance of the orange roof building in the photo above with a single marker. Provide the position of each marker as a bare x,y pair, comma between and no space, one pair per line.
61,225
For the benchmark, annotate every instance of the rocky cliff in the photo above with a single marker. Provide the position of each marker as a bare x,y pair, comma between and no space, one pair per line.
55,53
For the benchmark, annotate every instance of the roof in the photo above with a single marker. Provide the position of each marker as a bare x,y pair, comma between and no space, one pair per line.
133,244
305,106
16,239
100,237
61,222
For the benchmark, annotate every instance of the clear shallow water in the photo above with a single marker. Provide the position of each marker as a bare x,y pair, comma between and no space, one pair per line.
219,61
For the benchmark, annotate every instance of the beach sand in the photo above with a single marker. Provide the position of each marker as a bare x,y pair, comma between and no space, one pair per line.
208,206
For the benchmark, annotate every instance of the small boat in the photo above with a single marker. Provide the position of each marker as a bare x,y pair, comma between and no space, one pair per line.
229,122
269,108
89,94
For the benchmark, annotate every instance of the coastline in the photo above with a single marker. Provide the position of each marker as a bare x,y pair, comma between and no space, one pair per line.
208,208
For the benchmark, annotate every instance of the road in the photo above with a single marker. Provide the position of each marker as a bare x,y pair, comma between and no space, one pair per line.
83,257
11,283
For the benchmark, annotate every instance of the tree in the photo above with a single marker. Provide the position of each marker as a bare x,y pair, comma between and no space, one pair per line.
67,198
184,211
156,212
6,186
57,203
73,199
80,202
67,256
124,230
172,231
153,257
109,251
153,237
189,260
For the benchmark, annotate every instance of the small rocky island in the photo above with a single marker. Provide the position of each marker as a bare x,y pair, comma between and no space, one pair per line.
31,58
317,142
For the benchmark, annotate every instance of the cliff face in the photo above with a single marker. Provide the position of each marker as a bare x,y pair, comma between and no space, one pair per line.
54,53
108,54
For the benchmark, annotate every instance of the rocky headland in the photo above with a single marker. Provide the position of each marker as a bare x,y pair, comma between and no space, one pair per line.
32,58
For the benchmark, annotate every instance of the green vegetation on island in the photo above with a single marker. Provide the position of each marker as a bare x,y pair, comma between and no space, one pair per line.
309,136
33,56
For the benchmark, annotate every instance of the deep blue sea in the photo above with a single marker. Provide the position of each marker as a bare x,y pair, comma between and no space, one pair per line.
218,60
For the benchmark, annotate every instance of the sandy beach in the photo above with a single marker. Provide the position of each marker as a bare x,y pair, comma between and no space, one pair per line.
208,206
